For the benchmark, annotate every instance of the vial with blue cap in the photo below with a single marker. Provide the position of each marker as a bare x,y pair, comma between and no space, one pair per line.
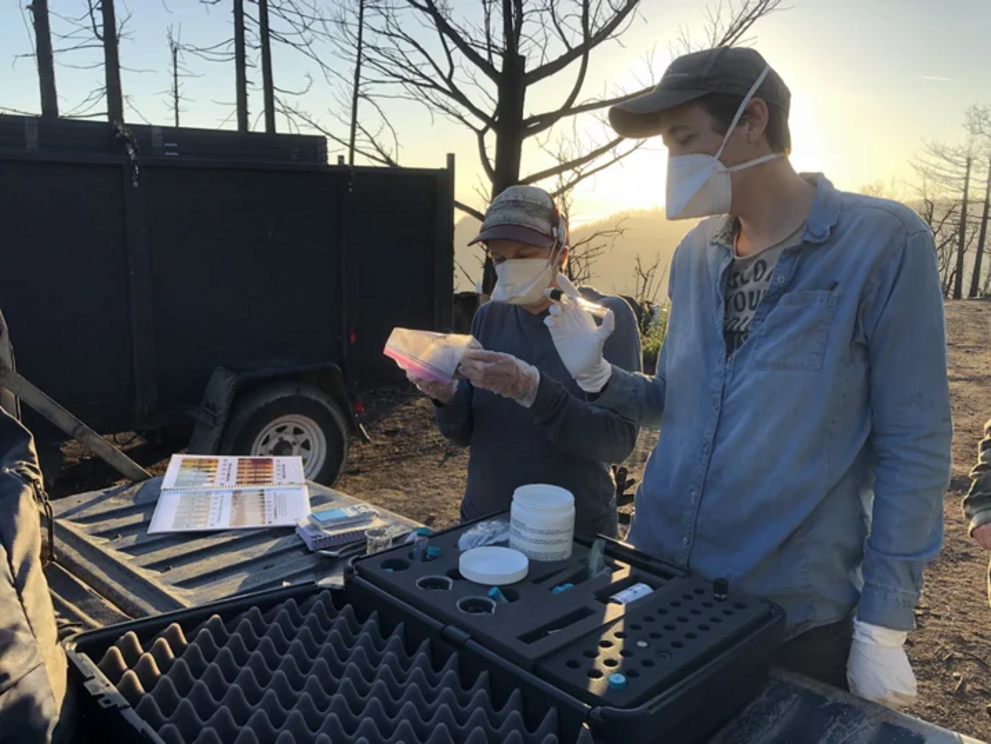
617,682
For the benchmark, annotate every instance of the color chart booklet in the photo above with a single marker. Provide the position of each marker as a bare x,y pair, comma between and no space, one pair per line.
208,493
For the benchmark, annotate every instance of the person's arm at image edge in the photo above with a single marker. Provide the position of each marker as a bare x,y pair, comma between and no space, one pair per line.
977,502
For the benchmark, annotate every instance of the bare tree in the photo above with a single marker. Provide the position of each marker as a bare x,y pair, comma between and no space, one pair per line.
586,251
478,73
878,188
724,28
268,85
111,59
979,127
240,67
947,171
179,72
45,58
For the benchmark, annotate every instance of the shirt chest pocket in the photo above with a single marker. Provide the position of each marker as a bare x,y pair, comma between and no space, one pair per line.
794,334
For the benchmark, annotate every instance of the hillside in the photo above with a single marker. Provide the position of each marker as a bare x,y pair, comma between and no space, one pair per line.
646,233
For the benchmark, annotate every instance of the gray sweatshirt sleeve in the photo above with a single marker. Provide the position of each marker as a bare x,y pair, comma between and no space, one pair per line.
588,431
583,430
454,419
977,503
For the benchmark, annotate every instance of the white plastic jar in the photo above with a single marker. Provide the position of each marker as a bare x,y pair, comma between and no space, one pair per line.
542,521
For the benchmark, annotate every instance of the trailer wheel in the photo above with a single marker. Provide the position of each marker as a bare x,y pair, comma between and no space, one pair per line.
287,419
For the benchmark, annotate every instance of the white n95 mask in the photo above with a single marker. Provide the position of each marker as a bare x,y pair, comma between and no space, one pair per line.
522,281
699,185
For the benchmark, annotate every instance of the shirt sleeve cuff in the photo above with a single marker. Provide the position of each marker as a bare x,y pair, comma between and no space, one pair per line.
980,518
450,411
887,608
614,393
547,392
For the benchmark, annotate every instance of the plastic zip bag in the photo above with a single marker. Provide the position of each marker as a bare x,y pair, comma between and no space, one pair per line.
491,532
428,355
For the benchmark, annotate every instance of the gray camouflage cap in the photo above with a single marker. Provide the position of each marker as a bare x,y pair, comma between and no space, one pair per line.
525,214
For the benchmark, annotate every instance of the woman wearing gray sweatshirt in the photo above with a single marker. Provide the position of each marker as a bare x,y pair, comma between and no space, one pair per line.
522,425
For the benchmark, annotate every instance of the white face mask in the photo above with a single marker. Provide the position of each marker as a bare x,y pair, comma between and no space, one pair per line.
699,185
522,281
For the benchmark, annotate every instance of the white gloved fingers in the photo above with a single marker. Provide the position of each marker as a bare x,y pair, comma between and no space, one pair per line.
567,286
608,325
440,391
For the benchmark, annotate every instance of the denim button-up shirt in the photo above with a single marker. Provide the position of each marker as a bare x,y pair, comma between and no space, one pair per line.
810,467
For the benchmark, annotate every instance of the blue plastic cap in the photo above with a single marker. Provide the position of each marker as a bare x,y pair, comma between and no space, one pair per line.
494,592
617,682
433,552
423,531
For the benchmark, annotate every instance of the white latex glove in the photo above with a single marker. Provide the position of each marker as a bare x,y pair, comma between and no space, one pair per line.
502,374
442,392
579,341
878,668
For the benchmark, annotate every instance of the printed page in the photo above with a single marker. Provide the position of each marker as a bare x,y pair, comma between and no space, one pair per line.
204,511
220,473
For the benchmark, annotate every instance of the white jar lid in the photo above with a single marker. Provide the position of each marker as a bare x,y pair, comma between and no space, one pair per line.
544,496
494,566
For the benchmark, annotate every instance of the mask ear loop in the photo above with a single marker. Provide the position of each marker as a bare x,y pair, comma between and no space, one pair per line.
743,107
558,233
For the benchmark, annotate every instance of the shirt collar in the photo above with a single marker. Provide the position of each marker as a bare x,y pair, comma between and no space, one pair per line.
822,217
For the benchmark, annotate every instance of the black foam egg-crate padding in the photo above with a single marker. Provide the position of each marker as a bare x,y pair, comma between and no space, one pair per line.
677,647
304,665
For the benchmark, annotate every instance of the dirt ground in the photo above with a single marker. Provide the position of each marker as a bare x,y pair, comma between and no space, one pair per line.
409,468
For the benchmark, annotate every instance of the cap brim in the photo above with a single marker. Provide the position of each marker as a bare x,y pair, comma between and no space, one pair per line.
517,233
639,117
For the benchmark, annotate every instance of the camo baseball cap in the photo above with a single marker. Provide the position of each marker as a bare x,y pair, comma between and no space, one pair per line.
525,214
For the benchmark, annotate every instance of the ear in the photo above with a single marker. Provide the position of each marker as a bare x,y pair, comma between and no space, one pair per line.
564,257
755,118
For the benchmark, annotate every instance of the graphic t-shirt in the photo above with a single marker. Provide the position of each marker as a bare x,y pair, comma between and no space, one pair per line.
748,281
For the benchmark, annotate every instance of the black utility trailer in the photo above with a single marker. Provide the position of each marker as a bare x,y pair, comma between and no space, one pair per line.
233,285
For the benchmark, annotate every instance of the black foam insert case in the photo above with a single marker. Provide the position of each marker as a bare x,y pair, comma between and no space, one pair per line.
690,657
305,664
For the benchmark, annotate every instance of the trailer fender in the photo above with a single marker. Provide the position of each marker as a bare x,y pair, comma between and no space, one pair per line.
226,386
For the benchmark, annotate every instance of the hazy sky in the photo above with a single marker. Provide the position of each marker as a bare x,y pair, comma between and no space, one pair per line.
869,79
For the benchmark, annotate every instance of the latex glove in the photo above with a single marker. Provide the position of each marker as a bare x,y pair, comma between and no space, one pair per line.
878,668
502,374
982,535
579,341
442,392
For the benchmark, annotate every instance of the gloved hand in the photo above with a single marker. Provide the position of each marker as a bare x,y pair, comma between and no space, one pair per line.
502,374
878,668
442,392
579,342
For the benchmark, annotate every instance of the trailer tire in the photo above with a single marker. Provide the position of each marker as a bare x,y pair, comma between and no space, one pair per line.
290,418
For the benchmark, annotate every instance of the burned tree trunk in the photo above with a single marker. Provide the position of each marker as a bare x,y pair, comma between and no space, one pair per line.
240,67
962,244
975,279
111,63
268,86
46,59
